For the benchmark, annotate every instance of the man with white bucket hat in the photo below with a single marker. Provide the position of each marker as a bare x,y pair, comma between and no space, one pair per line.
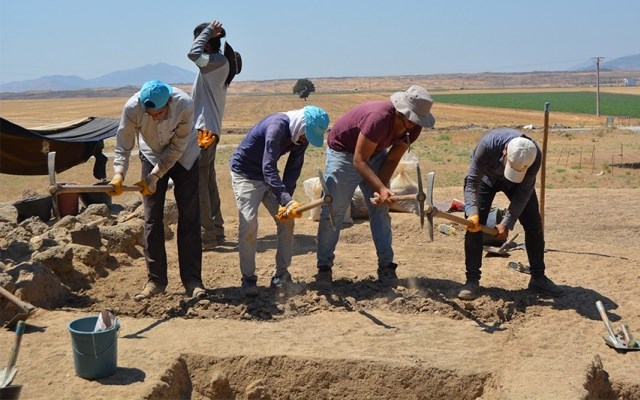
505,160
364,148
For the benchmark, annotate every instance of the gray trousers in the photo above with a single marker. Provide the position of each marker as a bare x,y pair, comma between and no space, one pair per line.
249,195
210,215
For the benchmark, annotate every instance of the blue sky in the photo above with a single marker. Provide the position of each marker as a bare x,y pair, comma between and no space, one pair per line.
306,39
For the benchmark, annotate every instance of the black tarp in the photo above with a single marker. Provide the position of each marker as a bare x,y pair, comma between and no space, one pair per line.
24,151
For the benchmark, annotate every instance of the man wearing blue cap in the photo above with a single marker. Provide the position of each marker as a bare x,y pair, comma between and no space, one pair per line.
364,148
255,180
161,118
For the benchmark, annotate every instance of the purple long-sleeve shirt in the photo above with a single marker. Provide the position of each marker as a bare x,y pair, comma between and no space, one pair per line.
487,164
257,156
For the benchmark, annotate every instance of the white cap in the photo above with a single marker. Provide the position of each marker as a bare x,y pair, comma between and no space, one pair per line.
521,153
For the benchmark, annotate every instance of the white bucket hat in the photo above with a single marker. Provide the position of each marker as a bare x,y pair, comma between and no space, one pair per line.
521,153
415,104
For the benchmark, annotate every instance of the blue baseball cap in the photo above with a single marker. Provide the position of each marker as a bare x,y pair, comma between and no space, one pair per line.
155,94
316,122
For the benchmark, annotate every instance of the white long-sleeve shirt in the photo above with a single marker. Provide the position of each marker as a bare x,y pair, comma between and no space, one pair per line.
164,142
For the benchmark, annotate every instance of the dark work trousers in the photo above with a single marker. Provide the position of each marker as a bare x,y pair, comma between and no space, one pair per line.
189,240
530,220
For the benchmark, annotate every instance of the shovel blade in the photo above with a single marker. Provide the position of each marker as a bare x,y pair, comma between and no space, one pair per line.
6,376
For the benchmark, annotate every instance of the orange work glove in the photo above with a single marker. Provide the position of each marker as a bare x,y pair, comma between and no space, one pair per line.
475,219
206,138
116,182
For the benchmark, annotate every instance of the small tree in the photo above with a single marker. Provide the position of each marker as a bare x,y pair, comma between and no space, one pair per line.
303,88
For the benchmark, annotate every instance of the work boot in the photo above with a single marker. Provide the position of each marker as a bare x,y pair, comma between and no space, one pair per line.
387,274
150,289
469,291
250,285
545,286
324,274
221,240
281,281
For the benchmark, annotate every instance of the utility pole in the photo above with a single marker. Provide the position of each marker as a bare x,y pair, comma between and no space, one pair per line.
597,59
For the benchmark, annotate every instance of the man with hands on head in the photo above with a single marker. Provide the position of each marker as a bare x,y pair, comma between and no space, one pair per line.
255,180
209,93
505,160
161,119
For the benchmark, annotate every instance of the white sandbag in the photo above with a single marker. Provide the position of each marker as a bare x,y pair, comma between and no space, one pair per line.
403,183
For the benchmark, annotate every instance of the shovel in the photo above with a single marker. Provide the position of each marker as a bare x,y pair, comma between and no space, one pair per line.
27,309
7,374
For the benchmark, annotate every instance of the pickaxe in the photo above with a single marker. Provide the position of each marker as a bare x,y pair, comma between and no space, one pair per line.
431,211
56,188
420,197
326,199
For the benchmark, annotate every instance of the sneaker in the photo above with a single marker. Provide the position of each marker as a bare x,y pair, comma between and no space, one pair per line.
150,289
281,281
324,274
209,244
469,291
545,286
221,240
250,286
387,274
199,293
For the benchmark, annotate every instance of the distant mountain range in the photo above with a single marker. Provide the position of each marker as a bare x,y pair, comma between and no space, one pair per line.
132,77
627,63
175,75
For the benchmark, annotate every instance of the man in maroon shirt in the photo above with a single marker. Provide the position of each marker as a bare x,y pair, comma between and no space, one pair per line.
364,148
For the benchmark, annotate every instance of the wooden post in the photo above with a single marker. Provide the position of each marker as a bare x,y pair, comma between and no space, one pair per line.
543,167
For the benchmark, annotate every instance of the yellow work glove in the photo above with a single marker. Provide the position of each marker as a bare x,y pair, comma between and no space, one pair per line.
282,214
475,219
291,209
206,138
148,184
116,182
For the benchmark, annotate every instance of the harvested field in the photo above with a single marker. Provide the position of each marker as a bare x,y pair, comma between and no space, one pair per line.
353,339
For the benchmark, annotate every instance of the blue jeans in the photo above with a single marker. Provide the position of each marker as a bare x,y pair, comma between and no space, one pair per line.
342,179
249,195
531,222
189,240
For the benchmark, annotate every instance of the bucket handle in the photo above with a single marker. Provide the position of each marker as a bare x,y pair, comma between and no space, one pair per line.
95,350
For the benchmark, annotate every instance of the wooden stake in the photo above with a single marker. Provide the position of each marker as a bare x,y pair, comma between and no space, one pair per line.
543,167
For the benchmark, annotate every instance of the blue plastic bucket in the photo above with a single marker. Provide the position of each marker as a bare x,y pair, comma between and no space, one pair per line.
95,354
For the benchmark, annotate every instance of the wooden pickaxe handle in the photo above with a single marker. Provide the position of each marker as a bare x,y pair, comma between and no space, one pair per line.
57,189
399,197
311,205
462,221
26,307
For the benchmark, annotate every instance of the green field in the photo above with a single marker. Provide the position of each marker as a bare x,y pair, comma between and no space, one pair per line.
572,102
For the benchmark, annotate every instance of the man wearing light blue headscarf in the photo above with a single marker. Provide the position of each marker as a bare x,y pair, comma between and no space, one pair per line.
255,180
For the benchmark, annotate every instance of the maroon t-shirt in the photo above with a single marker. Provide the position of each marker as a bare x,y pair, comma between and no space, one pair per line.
374,119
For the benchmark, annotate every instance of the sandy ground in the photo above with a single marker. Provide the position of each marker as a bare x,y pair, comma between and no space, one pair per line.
356,339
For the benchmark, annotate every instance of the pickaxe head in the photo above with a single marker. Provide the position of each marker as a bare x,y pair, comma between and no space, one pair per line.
327,199
429,209
420,196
